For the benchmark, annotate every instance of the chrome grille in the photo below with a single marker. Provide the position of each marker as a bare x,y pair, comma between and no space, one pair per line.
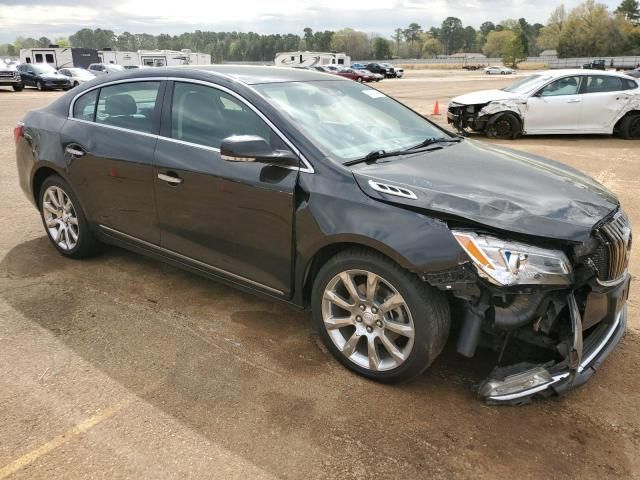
612,256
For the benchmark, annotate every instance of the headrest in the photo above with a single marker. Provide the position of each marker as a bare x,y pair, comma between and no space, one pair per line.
121,104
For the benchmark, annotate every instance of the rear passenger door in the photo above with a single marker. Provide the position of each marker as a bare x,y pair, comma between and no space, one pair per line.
109,143
604,96
233,218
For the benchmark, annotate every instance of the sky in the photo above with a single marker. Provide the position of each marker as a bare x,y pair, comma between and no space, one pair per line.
55,18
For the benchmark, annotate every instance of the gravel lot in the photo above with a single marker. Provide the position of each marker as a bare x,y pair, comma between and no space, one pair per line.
123,367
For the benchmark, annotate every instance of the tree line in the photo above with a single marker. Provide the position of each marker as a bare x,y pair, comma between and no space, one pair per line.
589,29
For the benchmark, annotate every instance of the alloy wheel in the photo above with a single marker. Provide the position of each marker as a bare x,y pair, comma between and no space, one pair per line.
503,128
60,218
368,320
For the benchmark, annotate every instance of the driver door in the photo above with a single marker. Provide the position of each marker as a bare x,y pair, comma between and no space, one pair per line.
556,107
234,218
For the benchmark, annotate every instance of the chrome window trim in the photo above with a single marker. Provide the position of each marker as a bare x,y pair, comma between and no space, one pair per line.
113,127
307,168
192,260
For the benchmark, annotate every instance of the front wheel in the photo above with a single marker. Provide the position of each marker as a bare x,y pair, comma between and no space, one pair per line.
18,87
75,84
39,85
64,220
504,126
378,319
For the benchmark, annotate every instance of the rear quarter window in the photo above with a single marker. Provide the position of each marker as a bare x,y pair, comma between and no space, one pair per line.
85,106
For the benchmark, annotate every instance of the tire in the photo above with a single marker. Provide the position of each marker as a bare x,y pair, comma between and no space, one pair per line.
75,84
504,126
422,315
359,79
39,85
630,127
54,194
18,87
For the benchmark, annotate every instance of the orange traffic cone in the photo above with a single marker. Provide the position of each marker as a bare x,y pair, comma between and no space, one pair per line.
436,109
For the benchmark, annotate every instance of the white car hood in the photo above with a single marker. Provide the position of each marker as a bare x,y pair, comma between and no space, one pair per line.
484,96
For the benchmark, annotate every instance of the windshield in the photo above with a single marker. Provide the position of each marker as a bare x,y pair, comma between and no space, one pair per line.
527,84
43,69
346,120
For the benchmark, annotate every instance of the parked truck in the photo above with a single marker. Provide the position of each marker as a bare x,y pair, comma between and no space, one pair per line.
10,77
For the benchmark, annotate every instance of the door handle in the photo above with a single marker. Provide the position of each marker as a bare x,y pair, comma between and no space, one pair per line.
170,179
74,150
573,100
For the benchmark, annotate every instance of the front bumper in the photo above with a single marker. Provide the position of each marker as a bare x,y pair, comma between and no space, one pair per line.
560,378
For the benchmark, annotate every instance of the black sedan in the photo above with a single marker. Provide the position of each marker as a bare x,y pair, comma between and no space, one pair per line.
43,77
329,195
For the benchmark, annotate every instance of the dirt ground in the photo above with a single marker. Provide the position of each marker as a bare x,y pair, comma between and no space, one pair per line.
123,367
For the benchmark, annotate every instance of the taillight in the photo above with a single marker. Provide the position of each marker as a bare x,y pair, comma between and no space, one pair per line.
18,131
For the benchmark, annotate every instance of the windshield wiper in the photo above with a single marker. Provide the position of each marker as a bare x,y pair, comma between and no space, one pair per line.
375,155
378,154
432,141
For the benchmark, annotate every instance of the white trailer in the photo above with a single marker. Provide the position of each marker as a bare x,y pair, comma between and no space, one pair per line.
60,57
311,59
154,58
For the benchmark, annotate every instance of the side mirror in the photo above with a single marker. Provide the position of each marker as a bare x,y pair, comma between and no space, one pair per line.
252,148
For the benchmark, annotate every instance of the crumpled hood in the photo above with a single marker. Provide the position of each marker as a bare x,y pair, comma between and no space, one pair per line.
484,96
496,187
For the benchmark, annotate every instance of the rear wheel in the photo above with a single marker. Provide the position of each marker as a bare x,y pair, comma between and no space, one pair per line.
64,220
630,127
376,318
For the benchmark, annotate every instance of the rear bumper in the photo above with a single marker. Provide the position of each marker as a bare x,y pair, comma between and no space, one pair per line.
559,379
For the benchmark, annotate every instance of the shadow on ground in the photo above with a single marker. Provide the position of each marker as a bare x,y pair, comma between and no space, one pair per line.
251,376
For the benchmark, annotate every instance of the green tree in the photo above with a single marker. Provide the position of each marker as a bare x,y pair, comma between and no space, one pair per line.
497,42
382,48
308,38
629,10
451,35
353,43
62,42
397,38
549,37
513,52
411,34
591,31
43,42
431,47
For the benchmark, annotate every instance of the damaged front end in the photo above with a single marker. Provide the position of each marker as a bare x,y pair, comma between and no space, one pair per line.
463,117
556,313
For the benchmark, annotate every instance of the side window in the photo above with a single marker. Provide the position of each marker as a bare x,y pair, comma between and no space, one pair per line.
630,84
206,116
603,83
128,105
562,86
85,106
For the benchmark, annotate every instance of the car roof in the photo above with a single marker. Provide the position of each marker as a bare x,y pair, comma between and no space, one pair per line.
577,71
254,74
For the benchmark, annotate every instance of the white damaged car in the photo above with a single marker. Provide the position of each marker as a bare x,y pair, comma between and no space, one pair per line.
553,102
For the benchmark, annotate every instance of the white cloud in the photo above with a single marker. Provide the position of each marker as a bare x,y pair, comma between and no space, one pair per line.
56,17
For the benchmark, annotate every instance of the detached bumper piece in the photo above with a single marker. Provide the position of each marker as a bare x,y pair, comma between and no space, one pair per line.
517,384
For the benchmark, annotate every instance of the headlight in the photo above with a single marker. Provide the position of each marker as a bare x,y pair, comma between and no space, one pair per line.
512,263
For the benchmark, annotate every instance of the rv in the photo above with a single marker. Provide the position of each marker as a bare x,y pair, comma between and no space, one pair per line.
60,57
311,59
154,58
